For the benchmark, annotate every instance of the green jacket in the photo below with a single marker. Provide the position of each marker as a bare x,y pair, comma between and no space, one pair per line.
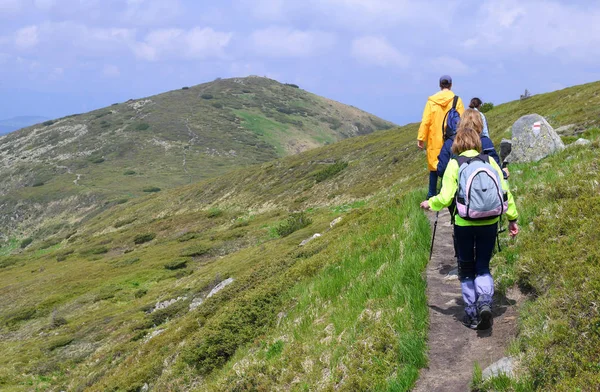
450,186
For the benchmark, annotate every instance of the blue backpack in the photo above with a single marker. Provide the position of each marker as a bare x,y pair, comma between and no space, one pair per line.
451,120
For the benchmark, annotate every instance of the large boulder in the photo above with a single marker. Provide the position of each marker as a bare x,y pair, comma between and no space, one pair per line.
533,139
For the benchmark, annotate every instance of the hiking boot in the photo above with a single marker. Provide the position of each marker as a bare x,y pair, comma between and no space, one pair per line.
485,318
470,322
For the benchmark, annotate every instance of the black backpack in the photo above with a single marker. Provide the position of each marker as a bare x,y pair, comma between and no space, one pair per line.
451,120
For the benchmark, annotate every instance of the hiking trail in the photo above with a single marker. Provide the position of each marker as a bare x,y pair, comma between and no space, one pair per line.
453,349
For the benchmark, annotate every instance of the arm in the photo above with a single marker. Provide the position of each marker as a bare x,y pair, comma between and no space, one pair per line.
444,157
449,187
425,124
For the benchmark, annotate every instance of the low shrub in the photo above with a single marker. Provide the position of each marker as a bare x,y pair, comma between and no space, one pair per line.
49,243
176,264
177,309
129,172
26,242
217,105
96,250
195,250
330,171
151,189
123,222
207,96
187,237
292,85
185,88
37,183
294,222
58,342
486,107
97,160
143,238
48,123
142,126
21,314
214,213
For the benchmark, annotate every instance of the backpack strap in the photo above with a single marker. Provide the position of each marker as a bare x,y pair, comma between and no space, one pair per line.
455,102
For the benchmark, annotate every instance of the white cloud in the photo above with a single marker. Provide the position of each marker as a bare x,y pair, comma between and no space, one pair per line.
542,27
287,42
44,5
9,6
450,65
111,71
151,12
376,50
27,37
197,43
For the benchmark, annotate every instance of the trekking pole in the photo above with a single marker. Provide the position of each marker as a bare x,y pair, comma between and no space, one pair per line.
437,214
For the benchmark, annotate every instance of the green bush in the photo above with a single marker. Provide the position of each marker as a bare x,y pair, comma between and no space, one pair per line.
187,237
129,172
123,222
143,238
294,222
292,85
177,309
176,264
330,171
214,213
217,105
21,314
96,250
142,126
185,88
195,250
48,123
37,183
97,160
206,96
58,342
151,189
26,242
486,107
49,243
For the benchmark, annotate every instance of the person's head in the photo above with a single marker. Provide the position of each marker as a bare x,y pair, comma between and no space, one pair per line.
445,82
466,139
471,118
475,103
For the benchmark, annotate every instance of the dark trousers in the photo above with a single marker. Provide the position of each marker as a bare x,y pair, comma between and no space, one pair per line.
433,180
476,244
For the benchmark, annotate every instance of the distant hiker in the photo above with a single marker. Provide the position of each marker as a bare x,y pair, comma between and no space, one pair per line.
437,116
476,224
476,104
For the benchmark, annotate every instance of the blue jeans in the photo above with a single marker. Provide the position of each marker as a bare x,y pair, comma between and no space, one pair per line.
475,245
433,180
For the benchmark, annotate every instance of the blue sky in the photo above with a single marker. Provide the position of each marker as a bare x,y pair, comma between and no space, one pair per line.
59,57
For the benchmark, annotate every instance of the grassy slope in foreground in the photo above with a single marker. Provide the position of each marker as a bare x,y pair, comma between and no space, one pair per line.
556,258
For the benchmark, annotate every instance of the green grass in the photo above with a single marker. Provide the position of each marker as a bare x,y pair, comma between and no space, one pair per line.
366,309
556,258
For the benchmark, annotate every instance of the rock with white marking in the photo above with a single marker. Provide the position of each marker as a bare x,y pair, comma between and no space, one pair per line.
220,287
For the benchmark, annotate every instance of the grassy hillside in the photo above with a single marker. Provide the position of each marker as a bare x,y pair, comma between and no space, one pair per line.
63,169
108,303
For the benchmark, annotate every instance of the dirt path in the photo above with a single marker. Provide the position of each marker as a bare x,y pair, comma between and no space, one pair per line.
454,348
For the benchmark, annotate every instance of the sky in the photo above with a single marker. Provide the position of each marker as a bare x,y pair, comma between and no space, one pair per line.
60,57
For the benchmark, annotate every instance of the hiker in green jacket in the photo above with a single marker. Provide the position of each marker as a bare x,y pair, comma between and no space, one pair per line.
475,238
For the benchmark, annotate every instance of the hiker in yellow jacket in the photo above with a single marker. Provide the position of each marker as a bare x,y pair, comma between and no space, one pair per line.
431,129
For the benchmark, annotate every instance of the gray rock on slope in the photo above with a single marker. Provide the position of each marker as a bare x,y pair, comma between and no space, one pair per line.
533,139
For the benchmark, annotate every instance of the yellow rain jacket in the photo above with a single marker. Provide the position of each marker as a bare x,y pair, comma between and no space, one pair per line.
430,130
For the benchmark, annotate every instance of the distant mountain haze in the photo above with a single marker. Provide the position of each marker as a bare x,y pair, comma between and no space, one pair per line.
15,123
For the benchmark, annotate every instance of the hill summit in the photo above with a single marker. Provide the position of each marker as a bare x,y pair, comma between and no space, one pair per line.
78,162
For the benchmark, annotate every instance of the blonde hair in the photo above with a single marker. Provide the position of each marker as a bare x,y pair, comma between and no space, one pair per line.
466,139
471,118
